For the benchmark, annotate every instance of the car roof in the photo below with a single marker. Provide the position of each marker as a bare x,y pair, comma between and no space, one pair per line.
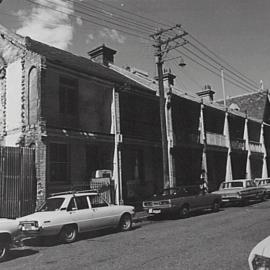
237,180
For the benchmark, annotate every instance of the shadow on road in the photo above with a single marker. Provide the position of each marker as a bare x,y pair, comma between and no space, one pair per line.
54,241
19,253
175,216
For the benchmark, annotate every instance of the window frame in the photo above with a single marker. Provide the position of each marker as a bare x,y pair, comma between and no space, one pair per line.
55,161
68,93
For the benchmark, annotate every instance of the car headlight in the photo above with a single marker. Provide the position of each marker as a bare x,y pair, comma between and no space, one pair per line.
239,195
261,263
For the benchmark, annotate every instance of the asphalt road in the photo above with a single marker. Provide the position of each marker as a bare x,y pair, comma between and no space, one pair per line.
209,241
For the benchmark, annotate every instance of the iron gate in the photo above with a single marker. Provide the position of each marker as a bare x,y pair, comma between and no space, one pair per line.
17,181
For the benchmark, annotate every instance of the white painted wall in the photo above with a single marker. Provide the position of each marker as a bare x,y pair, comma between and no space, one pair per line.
13,94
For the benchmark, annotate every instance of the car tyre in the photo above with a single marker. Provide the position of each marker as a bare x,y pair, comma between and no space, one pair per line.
125,223
68,234
184,211
3,253
264,197
216,206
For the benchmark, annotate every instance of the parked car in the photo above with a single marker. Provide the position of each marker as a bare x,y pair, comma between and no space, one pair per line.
242,190
181,201
259,257
9,235
69,213
263,182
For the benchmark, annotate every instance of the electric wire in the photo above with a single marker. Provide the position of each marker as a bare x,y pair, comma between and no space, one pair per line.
213,66
221,59
110,15
214,72
91,21
144,31
222,66
104,20
132,13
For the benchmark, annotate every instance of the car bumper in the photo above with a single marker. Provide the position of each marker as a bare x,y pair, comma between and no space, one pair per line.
232,199
159,210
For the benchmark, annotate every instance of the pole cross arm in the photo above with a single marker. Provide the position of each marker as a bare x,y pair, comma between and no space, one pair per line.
161,31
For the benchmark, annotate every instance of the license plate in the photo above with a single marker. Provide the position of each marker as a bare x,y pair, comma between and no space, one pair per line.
27,227
154,211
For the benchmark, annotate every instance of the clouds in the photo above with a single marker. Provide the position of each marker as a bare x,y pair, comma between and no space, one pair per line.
112,34
47,25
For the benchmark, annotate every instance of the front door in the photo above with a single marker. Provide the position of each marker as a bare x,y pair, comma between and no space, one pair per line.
80,213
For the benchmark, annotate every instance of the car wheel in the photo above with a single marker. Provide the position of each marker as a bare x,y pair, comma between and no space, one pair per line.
68,234
216,206
263,197
125,223
3,253
184,211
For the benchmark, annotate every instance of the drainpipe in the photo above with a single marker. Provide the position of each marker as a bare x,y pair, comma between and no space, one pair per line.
248,167
264,168
226,133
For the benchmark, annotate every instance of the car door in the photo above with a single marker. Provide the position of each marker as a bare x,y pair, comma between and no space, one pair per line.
194,198
252,189
80,212
103,216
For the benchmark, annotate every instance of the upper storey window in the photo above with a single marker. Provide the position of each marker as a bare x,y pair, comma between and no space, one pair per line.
68,96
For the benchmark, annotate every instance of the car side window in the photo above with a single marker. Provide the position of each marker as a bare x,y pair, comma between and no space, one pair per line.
97,201
71,205
82,202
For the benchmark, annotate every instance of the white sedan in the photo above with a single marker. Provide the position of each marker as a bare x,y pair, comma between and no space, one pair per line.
67,214
259,257
9,233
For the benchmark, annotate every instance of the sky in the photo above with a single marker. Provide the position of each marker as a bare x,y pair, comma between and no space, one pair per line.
235,30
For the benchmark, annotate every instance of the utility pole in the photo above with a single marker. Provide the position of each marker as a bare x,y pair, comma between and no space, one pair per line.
162,46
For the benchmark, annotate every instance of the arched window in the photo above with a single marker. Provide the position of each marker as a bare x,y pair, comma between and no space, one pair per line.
32,96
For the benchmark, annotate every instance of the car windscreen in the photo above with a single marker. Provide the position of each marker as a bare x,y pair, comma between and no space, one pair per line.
232,184
168,191
52,204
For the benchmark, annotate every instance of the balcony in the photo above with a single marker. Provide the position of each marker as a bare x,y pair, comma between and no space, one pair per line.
215,139
238,144
190,138
255,147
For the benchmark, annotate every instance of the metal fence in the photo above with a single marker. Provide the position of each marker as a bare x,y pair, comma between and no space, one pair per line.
105,186
17,181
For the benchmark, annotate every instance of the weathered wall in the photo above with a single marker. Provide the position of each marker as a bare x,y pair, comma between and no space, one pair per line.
94,103
13,102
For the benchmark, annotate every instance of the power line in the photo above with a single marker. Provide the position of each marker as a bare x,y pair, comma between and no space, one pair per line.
222,66
110,14
137,30
132,13
211,65
214,72
221,59
90,21
105,20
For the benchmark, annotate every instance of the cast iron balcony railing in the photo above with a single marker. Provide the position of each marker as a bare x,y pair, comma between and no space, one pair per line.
238,144
255,147
215,139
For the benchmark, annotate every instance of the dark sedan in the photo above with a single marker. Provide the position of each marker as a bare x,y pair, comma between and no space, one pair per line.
181,201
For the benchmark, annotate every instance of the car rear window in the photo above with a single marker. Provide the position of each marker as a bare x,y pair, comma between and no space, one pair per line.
232,184
97,201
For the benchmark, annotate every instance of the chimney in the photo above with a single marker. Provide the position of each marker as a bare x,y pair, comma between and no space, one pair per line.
207,93
102,55
168,78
